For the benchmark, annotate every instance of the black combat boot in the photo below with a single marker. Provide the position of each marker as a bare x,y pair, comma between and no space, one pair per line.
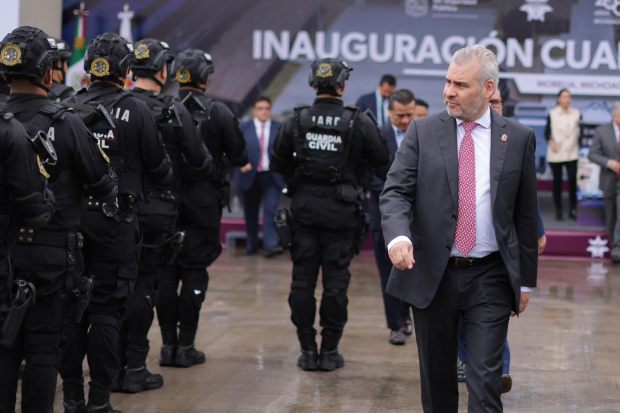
187,356
75,406
139,378
308,361
167,354
117,382
106,408
168,347
330,360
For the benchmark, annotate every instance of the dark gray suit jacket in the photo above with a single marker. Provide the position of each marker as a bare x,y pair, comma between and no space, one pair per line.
420,201
603,149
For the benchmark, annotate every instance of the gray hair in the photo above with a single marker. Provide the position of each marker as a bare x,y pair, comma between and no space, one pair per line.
615,109
489,69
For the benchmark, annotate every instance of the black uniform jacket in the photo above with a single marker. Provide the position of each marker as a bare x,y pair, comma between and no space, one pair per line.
79,162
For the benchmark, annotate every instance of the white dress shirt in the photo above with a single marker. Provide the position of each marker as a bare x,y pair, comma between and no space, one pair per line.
382,116
486,241
399,135
264,158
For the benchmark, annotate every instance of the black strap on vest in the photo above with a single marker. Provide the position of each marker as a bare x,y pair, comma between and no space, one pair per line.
48,113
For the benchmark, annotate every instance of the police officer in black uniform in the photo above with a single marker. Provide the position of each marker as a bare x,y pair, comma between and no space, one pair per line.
332,143
23,202
127,132
59,90
189,157
50,255
202,200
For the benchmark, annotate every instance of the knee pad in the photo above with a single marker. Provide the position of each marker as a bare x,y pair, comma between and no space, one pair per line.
335,282
48,352
304,278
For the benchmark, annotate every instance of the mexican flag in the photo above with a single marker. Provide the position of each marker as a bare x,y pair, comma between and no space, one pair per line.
76,77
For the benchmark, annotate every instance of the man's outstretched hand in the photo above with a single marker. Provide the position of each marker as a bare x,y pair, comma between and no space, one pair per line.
401,255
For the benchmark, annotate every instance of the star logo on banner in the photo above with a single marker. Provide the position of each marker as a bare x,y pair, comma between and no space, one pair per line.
536,9
598,247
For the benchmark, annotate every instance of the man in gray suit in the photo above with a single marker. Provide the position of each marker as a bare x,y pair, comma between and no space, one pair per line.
461,193
604,152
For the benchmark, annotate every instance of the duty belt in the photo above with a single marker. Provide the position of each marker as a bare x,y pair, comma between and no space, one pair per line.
472,262
69,241
166,195
322,191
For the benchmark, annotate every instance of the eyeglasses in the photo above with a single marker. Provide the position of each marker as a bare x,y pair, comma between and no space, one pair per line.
263,108
496,103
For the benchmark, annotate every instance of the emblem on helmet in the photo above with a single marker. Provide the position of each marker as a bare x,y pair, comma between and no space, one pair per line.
143,52
100,67
11,55
183,76
324,70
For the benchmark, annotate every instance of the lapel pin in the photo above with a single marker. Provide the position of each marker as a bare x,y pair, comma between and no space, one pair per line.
504,138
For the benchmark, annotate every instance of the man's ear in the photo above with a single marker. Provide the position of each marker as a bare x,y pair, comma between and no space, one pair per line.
48,77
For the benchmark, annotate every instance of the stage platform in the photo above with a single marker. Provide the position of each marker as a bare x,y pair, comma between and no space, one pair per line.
565,238
564,348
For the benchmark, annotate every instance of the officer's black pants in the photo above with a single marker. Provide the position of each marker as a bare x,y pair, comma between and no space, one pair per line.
40,337
200,217
324,232
133,343
110,254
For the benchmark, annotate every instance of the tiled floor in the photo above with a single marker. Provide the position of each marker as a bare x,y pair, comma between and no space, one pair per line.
565,348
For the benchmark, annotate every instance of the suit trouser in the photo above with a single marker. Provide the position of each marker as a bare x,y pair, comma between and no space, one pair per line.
571,171
392,305
463,350
264,187
133,346
200,218
483,296
611,215
111,251
39,340
323,238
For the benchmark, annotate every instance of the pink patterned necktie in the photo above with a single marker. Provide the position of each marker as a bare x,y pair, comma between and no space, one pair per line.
261,142
465,239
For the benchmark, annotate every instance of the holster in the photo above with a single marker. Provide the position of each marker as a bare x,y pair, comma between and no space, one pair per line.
14,305
362,232
83,292
171,247
282,219
225,195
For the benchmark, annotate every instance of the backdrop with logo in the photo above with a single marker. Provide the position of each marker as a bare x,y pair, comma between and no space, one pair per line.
266,46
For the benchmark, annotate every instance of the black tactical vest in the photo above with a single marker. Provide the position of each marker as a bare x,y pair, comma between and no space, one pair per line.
322,143
97,115
65,186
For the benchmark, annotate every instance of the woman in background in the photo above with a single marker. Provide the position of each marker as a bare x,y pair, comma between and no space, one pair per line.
562,134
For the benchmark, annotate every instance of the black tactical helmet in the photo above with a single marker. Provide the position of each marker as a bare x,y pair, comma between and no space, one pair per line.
151,56
192,67
63,50
27,52
108,55
329,73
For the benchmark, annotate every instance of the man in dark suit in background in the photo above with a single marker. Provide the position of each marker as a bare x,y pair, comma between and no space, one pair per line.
461,193
401,109
421,109
604,152
377,101
258,182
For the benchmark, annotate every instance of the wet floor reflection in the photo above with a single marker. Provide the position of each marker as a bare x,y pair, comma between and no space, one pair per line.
564,348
